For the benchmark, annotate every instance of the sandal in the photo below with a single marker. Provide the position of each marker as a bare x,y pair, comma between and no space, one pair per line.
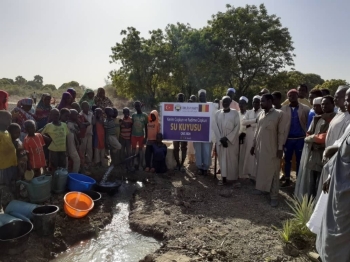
220,183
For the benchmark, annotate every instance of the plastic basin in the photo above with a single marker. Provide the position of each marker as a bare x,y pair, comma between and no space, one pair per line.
80,183
95,196
77,204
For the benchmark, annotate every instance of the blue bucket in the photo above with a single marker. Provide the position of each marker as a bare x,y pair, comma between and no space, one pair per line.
80,183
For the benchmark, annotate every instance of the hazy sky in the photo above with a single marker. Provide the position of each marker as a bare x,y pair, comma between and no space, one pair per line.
71,39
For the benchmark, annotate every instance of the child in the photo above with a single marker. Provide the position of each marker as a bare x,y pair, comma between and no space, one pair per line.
86,141
153,128
58,132
8,158
139,131
33,143
125,136
110,131
159,155
73,140
64,115
99,138
15,132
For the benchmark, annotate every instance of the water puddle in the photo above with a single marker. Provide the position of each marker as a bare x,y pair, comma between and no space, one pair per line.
116,242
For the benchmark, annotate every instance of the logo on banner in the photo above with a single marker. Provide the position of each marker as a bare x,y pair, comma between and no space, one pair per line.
203,108
168,107
177,107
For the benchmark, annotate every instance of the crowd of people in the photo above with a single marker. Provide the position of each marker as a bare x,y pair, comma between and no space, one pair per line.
310,128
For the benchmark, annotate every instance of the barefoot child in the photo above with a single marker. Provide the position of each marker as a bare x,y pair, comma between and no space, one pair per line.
99,138
153,128
125,136
73,140
33,143
159,155
139,131
86,141
58,132
15,132
110,132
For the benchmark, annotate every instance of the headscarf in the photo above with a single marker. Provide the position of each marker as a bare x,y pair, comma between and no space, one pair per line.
72,92
257,97
86,98
244,99
102,102
63,103
25,102
3,95
42,111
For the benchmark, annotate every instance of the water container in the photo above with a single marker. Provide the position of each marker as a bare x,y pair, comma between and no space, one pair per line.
80,183
59,180
44,219
5,219
19,209
39,188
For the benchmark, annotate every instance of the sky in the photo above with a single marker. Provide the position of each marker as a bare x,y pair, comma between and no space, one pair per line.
71,39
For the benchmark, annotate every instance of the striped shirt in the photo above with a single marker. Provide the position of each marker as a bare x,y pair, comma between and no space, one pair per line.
125,128
34,146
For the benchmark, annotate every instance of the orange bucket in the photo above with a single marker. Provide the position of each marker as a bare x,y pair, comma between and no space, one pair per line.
77,204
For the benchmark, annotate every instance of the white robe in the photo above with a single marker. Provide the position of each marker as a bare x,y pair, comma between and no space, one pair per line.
337,127
249,160
227,125
242,147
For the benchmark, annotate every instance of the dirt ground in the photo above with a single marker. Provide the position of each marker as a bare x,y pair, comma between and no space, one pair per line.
196,220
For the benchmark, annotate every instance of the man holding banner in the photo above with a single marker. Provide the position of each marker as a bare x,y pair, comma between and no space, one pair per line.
180,144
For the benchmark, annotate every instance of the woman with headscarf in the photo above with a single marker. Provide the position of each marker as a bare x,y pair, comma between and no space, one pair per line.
43,110
101,100
66,101
88,97
21,113
73,93
4,96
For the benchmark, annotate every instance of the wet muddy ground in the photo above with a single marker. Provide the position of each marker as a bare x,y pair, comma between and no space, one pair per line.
193,218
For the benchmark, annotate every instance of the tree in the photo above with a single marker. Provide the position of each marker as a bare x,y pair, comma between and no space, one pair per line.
251,44
19,80
8,81
332,84
34,84
73,84
143,62
38,79
49,86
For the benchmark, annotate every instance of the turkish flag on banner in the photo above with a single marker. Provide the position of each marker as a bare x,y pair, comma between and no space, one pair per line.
168,107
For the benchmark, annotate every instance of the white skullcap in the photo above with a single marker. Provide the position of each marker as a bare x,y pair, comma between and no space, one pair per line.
317,101
231,89
202,91
257,97
243,98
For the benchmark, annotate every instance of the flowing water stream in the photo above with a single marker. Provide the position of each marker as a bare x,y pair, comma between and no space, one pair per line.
116,242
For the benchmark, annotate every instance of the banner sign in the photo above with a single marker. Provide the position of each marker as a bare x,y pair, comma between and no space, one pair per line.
186,121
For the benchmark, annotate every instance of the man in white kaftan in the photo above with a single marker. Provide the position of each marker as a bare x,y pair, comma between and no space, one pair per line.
243,102
249,121
226,128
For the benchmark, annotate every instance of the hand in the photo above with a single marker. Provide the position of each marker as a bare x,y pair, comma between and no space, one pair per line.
248,126
279,154
252,151
326,184
309,139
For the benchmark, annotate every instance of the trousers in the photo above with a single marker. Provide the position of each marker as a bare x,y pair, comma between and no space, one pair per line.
203,154
177,145
86,148
292,146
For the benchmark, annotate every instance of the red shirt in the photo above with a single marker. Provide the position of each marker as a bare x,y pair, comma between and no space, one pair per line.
34,146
